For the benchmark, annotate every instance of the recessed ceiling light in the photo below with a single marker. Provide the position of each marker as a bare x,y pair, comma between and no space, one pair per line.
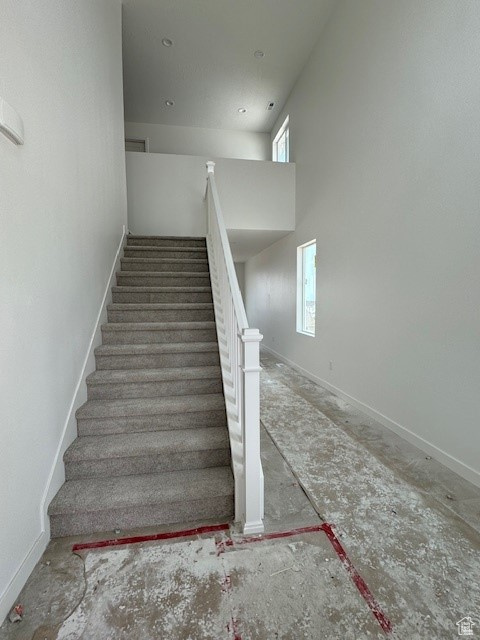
167,42
242,110
170,103
259,54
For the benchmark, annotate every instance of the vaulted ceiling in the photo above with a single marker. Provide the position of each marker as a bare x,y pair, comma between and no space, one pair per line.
210,71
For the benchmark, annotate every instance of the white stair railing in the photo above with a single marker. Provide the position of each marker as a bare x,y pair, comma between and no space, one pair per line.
239,347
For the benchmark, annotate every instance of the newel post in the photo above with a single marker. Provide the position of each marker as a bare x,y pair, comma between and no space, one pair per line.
253,474
210,172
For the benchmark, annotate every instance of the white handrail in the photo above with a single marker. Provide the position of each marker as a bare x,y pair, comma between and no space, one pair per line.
239,347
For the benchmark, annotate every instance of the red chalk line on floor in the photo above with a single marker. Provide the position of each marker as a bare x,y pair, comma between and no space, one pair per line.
232,627
168,535
359,582
223,545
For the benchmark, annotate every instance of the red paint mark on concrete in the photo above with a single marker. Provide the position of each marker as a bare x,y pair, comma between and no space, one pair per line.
170,535
233,628
223,545
359,582
227,584
384,622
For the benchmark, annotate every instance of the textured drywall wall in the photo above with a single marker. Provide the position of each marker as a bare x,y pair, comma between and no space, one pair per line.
62,208
240,271
385,133
197,141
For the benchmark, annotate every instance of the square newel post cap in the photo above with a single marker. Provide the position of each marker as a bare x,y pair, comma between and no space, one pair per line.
251,335
210,166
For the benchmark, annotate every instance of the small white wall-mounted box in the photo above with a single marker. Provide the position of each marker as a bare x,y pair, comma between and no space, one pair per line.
11,123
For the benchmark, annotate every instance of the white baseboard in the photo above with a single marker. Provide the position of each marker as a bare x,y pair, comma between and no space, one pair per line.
11,591
69,433
57,473
448,460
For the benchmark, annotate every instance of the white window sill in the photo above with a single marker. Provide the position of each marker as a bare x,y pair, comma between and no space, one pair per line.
306,333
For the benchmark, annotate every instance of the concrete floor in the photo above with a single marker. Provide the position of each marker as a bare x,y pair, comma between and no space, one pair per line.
410,527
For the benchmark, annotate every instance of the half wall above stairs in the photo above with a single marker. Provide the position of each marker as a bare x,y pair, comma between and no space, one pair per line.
166,191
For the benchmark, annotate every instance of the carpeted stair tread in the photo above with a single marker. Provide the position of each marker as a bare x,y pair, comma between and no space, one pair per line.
127,289
186,275
131,294
134,236
172,249
160,312
197,265
151,406
152,375
157,326
128,445
119,306
150,260
166,241
98,494
152,349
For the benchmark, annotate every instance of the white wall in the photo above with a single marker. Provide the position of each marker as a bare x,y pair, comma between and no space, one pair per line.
196,141
62,208
240,271
166,191
385,132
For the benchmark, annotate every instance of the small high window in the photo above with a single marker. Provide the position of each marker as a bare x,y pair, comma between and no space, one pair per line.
306,287
281,144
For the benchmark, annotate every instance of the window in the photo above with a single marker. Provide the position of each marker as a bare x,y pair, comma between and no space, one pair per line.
135,144
306,285
281,144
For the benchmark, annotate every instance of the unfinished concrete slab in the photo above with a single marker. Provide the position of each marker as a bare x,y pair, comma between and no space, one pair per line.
407,461
286,505
195,589
420,558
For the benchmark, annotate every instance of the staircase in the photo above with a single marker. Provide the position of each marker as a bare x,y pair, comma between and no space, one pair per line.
152,444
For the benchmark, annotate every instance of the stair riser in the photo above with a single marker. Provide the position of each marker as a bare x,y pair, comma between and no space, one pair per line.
195,266
153,389
160,315
158,361
218,508
193,253
147,464
139,424
200,280
165,297
165,242
158,337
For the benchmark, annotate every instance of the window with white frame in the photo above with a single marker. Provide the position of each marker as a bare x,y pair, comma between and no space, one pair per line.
306,287
281,144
